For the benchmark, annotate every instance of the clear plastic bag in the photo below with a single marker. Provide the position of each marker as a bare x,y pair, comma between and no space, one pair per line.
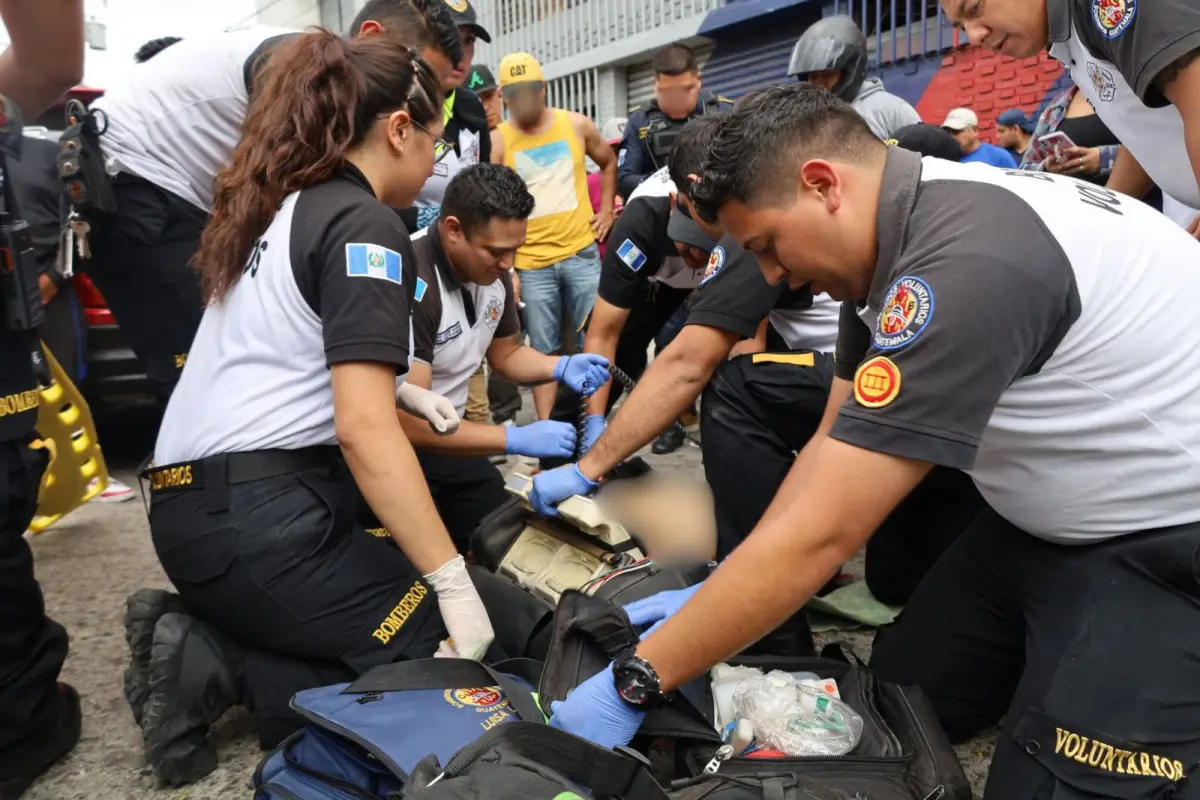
796,719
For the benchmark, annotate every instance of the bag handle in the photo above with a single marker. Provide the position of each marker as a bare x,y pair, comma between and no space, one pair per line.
445,673
605,772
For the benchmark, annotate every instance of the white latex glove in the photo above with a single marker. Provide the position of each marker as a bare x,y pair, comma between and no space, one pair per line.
463,612
429,405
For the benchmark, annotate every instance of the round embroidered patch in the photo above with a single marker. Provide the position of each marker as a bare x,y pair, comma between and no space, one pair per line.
907,309
877,382
1112,17
457,5
480,697
493,311
716,260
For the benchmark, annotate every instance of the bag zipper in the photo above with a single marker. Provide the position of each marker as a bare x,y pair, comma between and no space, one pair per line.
322,722
278,791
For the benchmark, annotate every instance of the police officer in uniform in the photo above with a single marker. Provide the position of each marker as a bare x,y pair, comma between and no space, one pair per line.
964,346
167,129
286,412
39,717
466,312
833,53
650,131
1138,64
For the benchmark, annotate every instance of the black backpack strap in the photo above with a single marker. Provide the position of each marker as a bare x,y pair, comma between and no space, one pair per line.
605,772
445,673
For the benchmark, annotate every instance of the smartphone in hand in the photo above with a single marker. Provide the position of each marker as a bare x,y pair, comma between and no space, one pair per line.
1052,145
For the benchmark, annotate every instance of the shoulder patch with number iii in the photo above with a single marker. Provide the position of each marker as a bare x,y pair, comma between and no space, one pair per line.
877,382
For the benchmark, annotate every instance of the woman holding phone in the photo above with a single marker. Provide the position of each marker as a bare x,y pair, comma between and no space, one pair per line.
1070,139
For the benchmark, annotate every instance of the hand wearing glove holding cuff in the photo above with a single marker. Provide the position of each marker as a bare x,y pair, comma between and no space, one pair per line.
553,486
583,373
421,402
543,439
593,428
463,612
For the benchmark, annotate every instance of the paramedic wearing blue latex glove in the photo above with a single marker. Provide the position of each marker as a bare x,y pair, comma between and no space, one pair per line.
1037,615
466,311
596,711
593,429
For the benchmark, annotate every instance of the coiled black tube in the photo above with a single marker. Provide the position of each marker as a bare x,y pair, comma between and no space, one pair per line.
618,376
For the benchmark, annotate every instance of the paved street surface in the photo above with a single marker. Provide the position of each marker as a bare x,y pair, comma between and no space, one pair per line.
94,558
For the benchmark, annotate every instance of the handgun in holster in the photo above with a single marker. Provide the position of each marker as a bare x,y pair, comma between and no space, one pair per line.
23,309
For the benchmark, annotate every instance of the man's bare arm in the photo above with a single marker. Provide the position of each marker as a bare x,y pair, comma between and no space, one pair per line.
1128,177
1180,83
668,388
599,151
471,439
846,495
497,147
603,334
45,57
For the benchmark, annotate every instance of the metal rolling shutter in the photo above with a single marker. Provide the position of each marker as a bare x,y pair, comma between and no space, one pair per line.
639,77
749,60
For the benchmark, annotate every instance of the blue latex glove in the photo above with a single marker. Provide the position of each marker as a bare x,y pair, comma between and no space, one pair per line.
583,373
655,609
596,712
543,439
593,426
553,486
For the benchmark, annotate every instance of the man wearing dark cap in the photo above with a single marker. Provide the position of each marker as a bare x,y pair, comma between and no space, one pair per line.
1014,132
482,82
928,140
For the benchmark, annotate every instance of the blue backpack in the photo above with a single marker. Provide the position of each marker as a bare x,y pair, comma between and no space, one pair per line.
363,739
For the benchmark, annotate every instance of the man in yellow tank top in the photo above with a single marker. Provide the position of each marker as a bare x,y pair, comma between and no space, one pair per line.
559,265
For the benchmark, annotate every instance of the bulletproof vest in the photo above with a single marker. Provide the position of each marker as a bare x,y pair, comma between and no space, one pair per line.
661,131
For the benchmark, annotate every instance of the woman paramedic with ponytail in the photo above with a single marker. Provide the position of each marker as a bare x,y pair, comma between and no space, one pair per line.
288,401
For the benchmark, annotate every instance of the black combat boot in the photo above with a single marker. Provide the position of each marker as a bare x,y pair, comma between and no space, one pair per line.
195,677
143,609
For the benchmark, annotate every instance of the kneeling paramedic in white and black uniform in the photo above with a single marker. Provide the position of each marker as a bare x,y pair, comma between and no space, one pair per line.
167,129
287,410
1061,369
656,261
465,312
759,407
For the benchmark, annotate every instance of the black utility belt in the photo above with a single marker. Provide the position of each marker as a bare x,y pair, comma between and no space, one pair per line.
226,469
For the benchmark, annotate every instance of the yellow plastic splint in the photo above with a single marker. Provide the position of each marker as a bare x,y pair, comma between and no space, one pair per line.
65,428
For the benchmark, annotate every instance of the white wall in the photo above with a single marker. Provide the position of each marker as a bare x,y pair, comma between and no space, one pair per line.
288,13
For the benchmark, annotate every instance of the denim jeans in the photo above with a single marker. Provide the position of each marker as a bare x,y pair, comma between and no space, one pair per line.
573,282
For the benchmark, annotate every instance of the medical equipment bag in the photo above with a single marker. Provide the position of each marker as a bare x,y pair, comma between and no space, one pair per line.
363,739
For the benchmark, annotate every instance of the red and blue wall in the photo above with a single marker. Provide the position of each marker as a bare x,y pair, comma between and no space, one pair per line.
754,39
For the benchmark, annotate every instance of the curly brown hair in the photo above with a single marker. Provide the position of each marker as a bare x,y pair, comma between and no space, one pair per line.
320,95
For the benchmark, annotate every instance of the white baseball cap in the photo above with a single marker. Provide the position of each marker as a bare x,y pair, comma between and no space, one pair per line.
960,118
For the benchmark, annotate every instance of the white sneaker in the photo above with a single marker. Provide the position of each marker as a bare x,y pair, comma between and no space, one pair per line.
116,492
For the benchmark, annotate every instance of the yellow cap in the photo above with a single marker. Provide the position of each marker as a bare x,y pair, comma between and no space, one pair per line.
519,68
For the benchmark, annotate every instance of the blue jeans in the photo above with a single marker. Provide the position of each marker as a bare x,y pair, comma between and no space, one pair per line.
573,280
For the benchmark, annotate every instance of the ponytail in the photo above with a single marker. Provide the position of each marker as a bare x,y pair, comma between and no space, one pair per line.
319,97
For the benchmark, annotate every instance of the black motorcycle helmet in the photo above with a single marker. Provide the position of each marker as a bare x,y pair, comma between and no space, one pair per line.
832,43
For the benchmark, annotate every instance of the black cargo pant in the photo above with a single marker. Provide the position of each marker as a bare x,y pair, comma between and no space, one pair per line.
282,566
465,490
32,646
758,411
141,263
1090,653
646,319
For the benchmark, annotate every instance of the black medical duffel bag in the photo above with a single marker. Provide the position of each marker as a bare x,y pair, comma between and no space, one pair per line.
903,754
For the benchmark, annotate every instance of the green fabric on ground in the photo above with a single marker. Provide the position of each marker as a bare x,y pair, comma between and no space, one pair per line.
849,608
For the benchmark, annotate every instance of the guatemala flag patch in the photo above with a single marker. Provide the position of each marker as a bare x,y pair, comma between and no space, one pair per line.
419,294
372,261
634,258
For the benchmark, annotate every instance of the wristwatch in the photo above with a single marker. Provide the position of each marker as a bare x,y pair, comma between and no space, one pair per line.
636,682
